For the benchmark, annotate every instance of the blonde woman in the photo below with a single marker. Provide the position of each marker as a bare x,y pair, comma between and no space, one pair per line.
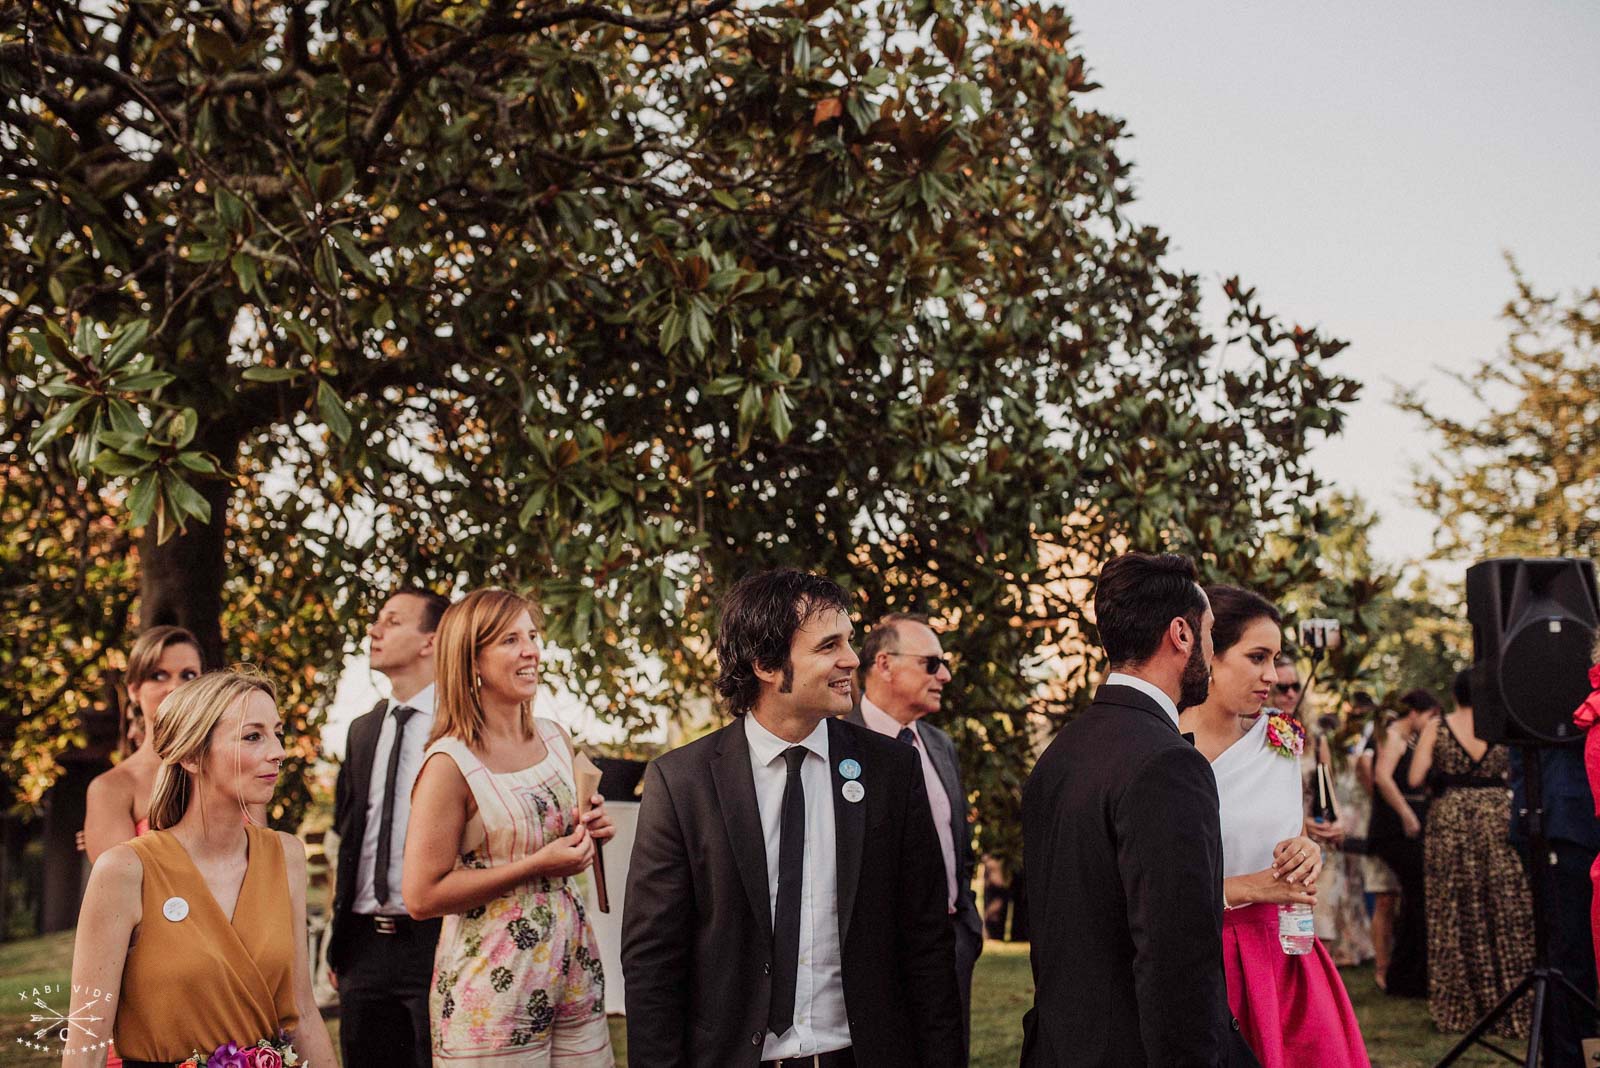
163,659
195,933
493,844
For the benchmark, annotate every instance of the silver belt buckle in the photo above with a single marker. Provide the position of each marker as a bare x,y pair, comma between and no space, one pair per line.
384,924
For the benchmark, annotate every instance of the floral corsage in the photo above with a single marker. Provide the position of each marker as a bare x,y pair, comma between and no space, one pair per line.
1285,735
268,1053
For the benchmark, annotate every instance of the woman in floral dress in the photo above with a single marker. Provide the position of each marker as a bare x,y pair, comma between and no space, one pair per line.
494,842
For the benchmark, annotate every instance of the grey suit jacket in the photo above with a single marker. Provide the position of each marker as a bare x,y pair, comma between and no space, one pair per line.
942,751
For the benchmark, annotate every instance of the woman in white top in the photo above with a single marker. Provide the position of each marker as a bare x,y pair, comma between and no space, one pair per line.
1293,1010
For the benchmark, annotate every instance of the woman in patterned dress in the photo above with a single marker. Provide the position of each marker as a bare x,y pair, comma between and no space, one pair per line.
494,842
1480,907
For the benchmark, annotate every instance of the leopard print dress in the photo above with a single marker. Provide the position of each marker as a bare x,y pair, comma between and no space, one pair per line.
1480,908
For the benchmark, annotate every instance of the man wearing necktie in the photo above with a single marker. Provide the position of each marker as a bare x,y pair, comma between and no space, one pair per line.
382,960
786,902
903,674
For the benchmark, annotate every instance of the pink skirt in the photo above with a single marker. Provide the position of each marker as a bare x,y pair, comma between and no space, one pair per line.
1293,1011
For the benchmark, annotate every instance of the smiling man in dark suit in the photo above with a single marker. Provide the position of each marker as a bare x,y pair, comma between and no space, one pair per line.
382,960
903,676
786,903
1122,846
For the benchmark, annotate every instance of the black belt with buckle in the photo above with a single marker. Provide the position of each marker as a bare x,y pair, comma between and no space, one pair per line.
839,1058
388,925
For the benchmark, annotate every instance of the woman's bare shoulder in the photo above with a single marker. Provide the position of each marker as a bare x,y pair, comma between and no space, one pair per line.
118,868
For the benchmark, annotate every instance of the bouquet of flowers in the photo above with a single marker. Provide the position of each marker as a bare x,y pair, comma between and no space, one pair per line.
268,1053
1285,735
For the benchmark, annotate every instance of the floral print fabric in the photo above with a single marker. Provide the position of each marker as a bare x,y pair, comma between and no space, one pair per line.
509,973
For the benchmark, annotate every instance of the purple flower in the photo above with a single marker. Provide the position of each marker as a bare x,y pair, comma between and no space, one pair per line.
228,1055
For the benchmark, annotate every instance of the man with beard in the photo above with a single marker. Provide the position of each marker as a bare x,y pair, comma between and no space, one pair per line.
1122,847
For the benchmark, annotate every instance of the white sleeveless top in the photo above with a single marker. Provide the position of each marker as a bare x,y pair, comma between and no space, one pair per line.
1259,791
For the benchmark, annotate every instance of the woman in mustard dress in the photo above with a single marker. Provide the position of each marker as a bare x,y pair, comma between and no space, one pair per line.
493,844
193,936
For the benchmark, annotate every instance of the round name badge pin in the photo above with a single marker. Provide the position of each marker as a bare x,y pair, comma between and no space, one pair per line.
853,791
849,769
175,909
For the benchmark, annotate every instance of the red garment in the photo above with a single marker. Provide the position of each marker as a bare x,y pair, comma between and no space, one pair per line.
1587,715
1292,1010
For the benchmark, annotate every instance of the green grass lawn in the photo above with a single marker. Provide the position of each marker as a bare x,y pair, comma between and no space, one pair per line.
1398,1032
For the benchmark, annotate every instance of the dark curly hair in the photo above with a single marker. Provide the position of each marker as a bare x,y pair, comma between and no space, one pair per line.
760,616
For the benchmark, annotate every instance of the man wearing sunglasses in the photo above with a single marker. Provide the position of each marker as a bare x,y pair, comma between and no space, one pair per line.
902,676
1286,692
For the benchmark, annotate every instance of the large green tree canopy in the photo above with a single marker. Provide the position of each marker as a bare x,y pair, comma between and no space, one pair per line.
617,302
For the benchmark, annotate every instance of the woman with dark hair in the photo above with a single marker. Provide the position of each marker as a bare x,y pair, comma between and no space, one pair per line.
1479,904
118,805
1292,1008
493,845
1395,835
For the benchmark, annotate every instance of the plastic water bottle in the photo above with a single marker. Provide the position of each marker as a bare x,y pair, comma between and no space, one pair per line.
1297,930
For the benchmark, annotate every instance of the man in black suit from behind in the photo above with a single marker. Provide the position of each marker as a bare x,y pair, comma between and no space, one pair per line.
382,959
786,901
1122,847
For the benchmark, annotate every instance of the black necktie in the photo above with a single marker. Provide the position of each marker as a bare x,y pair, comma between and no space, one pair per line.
907,736
786,922
380,874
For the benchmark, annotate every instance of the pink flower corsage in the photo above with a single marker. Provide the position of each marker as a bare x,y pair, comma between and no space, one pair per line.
1285,736
1588,713
268,1053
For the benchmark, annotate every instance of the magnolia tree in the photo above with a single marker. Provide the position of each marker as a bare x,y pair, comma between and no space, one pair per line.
616,304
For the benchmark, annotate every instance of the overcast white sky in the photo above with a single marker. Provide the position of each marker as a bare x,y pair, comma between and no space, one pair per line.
1365,166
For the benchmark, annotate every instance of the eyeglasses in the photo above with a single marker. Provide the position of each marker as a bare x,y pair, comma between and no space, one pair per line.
929,660
1286,687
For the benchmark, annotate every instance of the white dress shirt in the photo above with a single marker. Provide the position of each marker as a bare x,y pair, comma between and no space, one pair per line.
1258,790
1117,678
820,1022
938,800
412,746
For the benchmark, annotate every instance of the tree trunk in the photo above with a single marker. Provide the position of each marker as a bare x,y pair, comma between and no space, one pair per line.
180,582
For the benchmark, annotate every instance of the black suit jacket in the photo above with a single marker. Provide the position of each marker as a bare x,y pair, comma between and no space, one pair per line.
942,751
350,794
1122,846
697,919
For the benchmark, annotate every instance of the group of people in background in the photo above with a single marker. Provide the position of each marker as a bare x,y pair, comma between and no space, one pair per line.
1431,834
800,890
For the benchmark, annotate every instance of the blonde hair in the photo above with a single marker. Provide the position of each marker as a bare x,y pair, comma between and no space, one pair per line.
183,732
466,628
145,656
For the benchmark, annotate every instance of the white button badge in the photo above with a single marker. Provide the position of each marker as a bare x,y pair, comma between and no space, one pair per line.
853,791
175,909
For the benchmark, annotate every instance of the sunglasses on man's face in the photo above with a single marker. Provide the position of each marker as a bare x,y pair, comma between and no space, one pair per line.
1286,688
930,661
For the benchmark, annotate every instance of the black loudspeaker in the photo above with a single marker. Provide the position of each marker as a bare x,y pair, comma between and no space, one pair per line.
1533,626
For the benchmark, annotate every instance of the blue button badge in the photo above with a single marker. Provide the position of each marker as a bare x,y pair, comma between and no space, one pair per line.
849,769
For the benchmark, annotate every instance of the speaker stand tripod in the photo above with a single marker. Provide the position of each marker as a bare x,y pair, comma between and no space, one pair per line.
1543,981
